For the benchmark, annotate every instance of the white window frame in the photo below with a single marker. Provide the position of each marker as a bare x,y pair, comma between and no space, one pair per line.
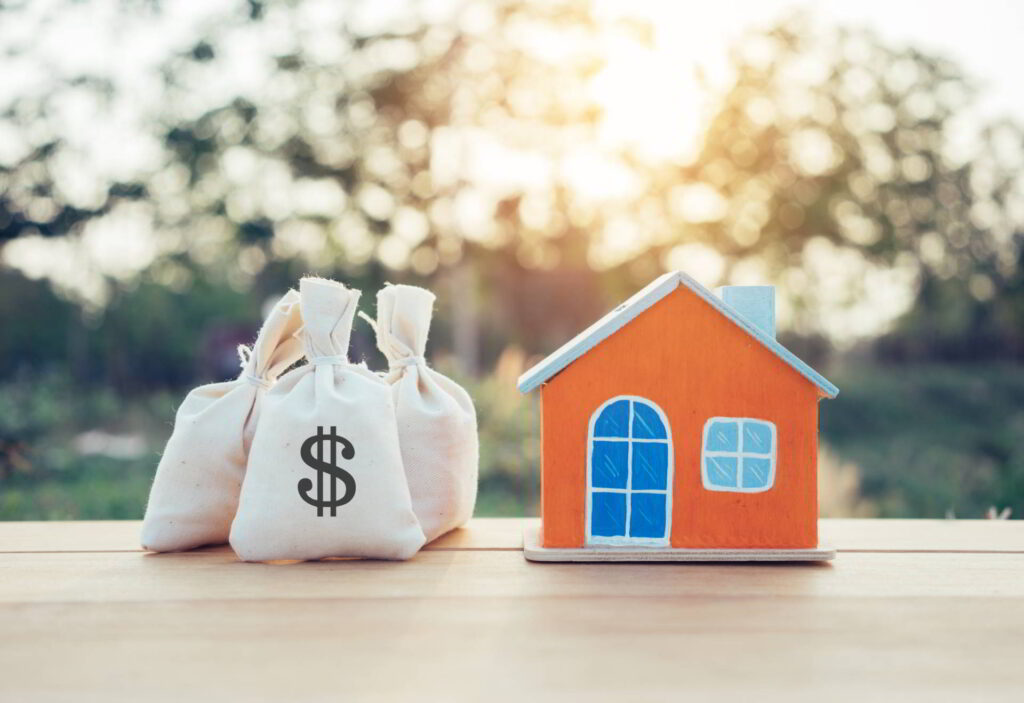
739,455
625,540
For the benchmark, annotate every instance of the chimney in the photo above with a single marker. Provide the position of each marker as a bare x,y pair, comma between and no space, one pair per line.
755,304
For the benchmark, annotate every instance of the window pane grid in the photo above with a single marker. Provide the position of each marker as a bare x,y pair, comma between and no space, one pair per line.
629,490
629,471
726,468
647,523
762,455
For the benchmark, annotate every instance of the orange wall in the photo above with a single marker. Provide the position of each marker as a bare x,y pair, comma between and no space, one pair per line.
695,364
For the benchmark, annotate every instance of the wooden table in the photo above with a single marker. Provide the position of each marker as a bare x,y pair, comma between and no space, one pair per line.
912,609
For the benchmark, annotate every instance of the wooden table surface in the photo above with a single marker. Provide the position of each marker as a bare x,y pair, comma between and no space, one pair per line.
910,609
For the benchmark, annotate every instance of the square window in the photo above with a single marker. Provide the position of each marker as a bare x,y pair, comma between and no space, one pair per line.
720,471
613,420
608,517
757,437
756,472
738,454
722,436
609,464
647,515
650,466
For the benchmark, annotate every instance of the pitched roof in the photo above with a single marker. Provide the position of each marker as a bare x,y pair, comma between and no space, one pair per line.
648,296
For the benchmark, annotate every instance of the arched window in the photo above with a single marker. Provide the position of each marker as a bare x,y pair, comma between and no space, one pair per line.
629,474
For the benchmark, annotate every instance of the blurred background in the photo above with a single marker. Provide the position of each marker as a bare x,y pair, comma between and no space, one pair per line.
168,169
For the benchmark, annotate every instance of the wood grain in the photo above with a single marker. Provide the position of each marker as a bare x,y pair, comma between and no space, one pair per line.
507,533
202,575
923,535
927,611
516,649
123,536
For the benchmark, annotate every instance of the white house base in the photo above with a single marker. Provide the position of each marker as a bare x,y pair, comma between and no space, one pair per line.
534,552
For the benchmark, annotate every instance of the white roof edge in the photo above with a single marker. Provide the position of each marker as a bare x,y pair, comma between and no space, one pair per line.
642,300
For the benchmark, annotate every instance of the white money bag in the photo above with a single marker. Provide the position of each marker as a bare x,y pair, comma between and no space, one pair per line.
325,475
437,429
195,493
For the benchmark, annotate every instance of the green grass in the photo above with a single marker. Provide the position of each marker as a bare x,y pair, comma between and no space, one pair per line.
923,441
86,488
932,438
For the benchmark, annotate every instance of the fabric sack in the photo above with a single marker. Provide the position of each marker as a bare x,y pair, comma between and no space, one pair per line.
195,493
325,476
437,429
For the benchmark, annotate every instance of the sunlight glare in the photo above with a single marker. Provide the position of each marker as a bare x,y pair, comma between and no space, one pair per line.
651,102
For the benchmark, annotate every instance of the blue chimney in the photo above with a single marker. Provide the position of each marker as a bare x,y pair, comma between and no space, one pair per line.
755,304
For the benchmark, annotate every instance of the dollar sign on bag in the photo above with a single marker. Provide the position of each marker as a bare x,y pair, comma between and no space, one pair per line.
312,453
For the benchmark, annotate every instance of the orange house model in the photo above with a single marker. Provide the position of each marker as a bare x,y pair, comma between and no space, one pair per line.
676,428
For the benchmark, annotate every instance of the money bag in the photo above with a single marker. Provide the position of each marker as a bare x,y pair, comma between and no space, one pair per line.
437,429
195,492
325,476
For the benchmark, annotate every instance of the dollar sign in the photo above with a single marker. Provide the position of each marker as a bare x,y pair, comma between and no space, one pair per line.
335,472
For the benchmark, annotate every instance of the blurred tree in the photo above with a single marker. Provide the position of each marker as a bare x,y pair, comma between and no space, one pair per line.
833,146
466,149
470,145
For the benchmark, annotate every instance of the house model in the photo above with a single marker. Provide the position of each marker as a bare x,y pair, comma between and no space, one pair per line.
676,428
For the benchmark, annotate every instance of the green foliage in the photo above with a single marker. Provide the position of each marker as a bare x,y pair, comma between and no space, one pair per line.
48,472
81,488
30,408
830,144
509,448
45,472
23,302
356,157
152,335
927,440
932,438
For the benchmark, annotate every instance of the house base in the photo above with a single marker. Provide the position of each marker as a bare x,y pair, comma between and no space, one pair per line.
533,551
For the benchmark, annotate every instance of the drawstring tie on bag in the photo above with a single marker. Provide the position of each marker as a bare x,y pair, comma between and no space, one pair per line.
244,355
325,360
394,364
407,361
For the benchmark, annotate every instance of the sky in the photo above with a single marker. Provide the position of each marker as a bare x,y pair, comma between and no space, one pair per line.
983,36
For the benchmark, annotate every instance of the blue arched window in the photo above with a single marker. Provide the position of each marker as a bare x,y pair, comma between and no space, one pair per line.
629,473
